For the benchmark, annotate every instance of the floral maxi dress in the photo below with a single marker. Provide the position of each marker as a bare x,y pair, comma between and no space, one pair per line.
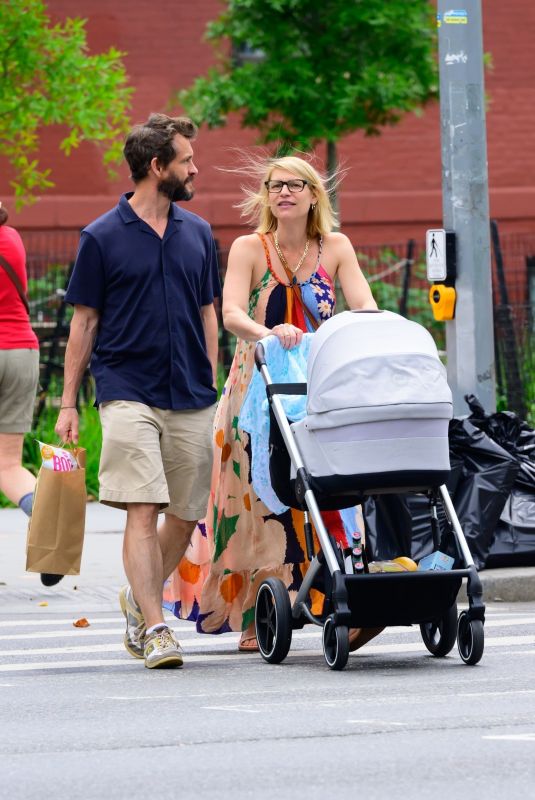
241,542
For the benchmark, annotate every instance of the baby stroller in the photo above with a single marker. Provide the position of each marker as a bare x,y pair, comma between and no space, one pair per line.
377,413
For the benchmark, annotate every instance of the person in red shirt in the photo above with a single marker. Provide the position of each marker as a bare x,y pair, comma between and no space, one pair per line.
19,374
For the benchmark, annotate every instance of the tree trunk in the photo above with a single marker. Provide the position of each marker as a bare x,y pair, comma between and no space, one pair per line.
332,166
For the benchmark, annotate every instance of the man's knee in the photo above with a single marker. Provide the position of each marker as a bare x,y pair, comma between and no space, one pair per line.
142,515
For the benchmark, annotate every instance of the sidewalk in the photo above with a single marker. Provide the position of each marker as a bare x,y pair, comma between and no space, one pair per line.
102,568
101,575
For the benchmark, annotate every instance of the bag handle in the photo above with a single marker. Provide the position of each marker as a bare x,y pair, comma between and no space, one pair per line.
16,282
75,450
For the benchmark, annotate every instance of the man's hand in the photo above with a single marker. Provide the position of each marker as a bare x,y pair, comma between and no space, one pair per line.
67,425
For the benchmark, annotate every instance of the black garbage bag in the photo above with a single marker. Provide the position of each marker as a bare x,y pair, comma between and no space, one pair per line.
511,433
514,542
480,482
488,475
388,527
422,537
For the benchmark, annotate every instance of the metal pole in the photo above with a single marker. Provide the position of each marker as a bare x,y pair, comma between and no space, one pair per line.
407,269
469,337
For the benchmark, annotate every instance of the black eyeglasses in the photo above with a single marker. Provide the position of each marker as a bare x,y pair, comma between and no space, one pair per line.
295,185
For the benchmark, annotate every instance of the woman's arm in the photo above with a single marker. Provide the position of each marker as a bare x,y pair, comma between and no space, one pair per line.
354,285
236,290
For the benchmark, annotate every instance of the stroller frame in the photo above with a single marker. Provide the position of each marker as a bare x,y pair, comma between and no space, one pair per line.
427,598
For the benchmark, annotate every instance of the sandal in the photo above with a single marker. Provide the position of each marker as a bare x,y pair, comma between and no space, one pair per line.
248,644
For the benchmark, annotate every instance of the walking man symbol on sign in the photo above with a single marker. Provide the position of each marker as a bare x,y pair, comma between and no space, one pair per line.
434,248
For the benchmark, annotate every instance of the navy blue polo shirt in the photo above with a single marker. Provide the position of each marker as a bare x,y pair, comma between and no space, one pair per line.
150,344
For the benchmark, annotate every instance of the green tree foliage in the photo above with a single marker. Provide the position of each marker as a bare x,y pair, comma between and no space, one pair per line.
48,78
325,69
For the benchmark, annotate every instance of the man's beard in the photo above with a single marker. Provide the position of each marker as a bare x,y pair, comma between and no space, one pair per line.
175,189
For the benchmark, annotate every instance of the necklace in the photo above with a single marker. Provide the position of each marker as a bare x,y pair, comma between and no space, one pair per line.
283,259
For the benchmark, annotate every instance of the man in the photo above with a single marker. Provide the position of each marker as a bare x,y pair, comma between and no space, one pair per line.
143,288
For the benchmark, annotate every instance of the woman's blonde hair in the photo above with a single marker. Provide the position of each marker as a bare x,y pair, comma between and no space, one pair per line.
255,208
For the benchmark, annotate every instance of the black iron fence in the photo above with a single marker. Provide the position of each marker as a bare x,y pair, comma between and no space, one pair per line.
514,320
396,273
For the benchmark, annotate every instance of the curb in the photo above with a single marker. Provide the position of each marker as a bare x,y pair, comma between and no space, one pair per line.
510,585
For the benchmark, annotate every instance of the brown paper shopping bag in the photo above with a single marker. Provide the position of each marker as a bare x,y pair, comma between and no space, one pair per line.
57,525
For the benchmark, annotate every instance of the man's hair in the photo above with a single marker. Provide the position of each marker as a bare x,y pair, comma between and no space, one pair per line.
3,215
154,139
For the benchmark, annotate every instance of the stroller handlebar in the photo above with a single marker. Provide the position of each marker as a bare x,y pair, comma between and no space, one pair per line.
260,356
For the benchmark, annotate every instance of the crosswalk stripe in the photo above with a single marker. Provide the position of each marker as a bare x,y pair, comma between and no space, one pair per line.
186,633
102,662
379,649
11,623
125,662
82,633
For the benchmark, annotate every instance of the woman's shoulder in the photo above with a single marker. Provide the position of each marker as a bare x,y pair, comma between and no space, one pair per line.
249,241
248,247
336,240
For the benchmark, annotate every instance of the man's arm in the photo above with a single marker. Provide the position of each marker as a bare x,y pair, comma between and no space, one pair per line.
84,326
211,335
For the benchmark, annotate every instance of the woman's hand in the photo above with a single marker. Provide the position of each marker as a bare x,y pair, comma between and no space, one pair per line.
288,335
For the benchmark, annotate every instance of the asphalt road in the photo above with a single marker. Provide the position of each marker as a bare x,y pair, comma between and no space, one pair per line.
81,718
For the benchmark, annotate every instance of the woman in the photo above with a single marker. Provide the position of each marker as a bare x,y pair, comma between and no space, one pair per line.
19,373
242,541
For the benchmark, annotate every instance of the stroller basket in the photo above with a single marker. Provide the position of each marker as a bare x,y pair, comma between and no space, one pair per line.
400,598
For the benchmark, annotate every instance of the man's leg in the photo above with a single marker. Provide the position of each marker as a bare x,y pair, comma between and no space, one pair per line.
174,535
143,560
131,474
187,453
173,538
158,554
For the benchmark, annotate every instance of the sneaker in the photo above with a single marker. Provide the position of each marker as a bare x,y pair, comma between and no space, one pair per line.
49,579
162,649
134,637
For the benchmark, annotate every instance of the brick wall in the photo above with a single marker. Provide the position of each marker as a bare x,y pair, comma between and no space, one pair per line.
392,190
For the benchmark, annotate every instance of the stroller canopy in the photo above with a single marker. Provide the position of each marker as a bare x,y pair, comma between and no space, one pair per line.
370,365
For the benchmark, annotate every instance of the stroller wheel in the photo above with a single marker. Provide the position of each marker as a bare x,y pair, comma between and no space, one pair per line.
273,620
335,644
470,639
439,636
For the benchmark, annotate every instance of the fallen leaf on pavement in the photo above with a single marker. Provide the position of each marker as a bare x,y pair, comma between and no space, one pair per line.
44,603
81,623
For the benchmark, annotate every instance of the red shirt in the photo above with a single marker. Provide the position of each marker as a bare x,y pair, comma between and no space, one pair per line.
15,329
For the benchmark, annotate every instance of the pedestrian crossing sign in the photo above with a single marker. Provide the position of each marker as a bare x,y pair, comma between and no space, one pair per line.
435,254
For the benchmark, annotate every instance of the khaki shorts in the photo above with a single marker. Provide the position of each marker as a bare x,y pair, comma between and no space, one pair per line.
152,455
19,377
